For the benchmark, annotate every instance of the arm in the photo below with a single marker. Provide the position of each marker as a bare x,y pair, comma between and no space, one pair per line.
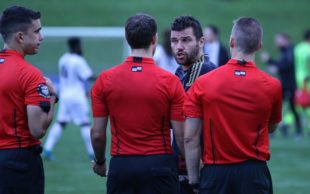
178,130
98,139
192,147
40,118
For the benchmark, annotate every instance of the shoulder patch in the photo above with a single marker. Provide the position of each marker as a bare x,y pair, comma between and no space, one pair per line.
1,60
42,90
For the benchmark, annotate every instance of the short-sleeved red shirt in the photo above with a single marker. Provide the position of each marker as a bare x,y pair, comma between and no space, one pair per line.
140,98
237,103
21,84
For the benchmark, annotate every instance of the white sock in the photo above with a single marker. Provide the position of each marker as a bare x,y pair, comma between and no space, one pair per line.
85,132
53,137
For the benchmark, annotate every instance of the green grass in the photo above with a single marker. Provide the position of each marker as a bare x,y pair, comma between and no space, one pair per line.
289,16
71,172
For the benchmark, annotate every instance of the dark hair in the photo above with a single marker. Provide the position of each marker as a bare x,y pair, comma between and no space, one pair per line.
307,34
284,35
182,22
74,44
247,33
167,42
140,30
214,29
15,19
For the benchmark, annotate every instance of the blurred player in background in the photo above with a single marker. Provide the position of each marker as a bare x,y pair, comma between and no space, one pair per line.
285,67
302,59
73,104
142,101
235,107
187,45
27,103
213,47
163,55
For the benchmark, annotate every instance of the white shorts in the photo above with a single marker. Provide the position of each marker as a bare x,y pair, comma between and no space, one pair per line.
73,110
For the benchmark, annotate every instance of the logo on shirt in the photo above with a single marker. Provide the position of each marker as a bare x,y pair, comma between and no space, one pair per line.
1,60
240,73
136,69
42,89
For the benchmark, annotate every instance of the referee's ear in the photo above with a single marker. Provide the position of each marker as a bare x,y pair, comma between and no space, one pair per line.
154,39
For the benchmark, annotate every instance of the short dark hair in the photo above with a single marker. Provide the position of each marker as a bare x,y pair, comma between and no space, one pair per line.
182,22
247,33
214,29
140,30
307,35
16,18
74,44
166,42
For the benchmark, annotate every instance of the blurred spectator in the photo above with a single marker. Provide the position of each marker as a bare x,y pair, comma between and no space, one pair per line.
213,47
163,55
284,65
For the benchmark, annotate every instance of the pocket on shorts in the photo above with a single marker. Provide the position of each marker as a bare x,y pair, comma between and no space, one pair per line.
161,171
207,185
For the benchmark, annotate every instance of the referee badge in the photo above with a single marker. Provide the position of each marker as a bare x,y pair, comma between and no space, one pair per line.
136,68
42,89
240,73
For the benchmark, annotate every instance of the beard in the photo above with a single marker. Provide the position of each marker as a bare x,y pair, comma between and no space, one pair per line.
189,58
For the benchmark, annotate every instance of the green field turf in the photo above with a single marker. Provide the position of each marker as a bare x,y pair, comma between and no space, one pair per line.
290,16
71,172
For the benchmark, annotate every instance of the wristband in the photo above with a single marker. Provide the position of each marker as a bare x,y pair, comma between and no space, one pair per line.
100,163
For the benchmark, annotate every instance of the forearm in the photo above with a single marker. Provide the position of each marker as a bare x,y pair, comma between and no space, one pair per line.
178,130
192,157
99,145
192,134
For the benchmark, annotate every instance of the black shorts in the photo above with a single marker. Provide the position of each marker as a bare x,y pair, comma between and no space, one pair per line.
154,174
250,177
21,171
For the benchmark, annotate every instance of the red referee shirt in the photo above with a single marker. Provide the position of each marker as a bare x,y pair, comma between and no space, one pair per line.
21,84
140,99
237,103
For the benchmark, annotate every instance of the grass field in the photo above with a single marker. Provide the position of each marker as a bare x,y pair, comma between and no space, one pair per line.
71,172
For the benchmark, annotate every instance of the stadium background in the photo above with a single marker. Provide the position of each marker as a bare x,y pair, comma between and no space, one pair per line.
71,171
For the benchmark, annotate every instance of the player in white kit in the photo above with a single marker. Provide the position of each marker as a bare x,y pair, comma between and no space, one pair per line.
74,72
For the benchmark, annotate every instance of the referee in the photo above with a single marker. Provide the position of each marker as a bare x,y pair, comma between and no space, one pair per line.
141,100
235,106
26,104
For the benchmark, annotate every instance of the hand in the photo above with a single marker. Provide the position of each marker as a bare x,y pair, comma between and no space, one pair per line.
264,56
50,85
101,170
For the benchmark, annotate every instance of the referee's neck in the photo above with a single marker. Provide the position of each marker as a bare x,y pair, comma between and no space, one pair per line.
142,53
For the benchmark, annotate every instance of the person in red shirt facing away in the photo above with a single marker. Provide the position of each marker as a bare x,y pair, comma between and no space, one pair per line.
142,101
27,103
235,106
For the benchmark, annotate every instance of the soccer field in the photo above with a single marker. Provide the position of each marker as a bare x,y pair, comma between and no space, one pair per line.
71,172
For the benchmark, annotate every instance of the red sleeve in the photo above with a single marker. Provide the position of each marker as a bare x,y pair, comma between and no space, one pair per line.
98,98
276,113
176,112
34,86
192,103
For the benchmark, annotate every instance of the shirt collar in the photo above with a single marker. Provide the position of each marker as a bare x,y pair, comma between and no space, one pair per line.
140,60
12,52
241,63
